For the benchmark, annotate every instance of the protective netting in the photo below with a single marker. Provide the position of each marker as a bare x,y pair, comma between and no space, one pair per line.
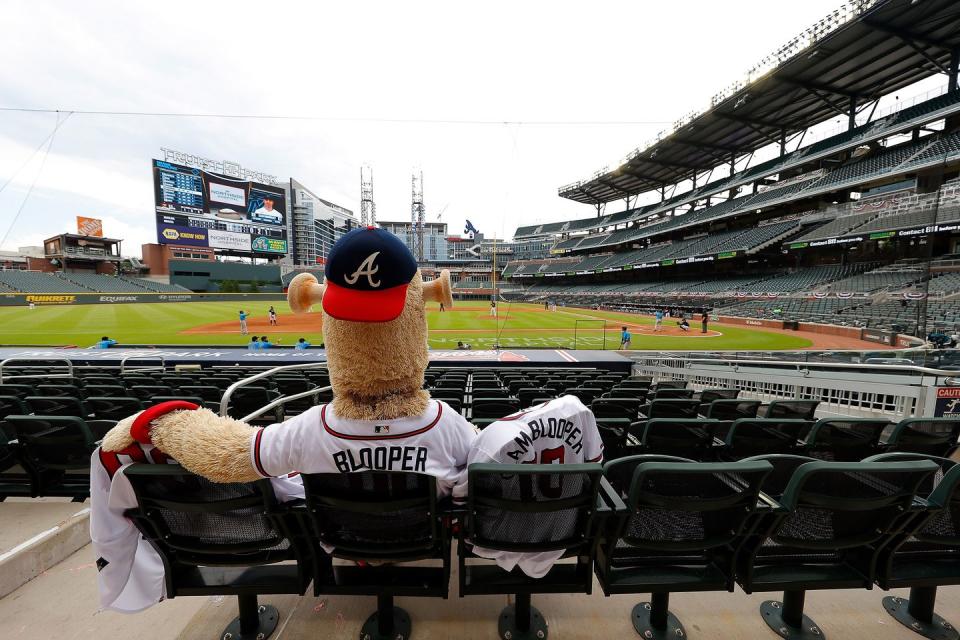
495,525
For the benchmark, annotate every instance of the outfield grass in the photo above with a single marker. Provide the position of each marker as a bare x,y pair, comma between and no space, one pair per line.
518,326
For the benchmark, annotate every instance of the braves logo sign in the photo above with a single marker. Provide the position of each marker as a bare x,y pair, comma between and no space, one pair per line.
367,268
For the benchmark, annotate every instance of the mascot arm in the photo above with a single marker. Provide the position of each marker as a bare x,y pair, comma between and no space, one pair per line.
206,444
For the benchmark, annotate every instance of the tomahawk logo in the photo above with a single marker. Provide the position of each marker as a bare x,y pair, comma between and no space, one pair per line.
366,268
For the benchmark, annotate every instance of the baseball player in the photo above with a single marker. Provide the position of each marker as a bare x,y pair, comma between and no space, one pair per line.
560,431
130,574
243,323
273,316
657,319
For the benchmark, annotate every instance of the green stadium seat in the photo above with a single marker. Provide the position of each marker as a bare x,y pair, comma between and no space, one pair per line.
687,437
825,533
926,554
113,407
668,393
755,436
19,390
389,520
60,391
495,408
147,391
790,409
731,409
709,395
931,436
57,406
105,390
845,439
55,453
532,508
222,540
678,527
671,408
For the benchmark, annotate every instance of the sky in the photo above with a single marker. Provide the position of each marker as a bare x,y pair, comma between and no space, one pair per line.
498,103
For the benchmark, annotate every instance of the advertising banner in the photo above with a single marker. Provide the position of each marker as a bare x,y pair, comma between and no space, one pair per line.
89,227
228,240
188,236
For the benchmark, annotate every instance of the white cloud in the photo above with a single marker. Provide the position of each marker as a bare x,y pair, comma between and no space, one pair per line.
499,61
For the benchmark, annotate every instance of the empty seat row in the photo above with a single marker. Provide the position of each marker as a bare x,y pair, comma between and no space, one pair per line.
642,524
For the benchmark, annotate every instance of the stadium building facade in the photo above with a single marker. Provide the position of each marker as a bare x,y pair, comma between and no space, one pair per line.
314,225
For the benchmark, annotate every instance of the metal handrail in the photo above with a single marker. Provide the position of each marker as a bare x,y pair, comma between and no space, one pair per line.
225,400
807,365
284,400
9,360
162,367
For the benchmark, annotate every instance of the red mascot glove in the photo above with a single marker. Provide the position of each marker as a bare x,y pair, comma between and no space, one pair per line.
140,430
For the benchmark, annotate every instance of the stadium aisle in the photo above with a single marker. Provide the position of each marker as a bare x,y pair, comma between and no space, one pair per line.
61,603
854,615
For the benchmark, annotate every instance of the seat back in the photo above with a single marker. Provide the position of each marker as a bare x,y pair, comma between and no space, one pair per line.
669,392
670,384
146,392
105,390
792,409
56,406
527,395
209,393
192,521
494,407
12,405
932,436
619,472
784,465
113,408
674,408
709,395
19,390
683,507
382,515
755,436
845,439
532,507
58,443
60,390
627,408
687,437
840,505
586,395
732,409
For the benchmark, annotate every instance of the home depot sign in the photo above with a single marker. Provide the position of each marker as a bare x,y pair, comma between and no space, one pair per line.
89,226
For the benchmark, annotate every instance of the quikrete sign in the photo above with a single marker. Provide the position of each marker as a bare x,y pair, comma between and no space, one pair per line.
948,402
51,299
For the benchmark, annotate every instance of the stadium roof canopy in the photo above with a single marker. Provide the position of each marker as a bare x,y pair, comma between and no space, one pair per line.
851,58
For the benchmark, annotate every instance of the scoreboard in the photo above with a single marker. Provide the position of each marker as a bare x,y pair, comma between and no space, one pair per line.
198,208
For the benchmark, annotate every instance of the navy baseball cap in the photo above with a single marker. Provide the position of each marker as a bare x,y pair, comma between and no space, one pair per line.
367,275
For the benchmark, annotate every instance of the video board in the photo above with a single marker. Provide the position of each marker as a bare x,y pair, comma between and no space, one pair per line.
201,209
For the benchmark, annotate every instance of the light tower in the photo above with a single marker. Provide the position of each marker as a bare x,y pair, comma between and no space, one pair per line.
368,209
417,214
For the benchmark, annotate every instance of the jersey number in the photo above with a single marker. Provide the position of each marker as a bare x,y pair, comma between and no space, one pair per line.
550,486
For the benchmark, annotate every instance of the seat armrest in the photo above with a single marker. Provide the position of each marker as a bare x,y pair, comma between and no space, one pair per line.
608,499
766,504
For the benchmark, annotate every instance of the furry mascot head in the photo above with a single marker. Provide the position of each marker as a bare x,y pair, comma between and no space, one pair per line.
374,324
375,330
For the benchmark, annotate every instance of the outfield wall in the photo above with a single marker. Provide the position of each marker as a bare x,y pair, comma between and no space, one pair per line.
47,299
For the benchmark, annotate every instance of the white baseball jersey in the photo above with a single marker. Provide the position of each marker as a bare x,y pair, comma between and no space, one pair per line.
560,431
318,441
130,575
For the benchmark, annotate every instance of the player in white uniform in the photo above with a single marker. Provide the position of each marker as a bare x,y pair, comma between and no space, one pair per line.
560,431
317,441
130,575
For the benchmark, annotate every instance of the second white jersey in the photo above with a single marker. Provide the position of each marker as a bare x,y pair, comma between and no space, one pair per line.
130,573
560,431
318,441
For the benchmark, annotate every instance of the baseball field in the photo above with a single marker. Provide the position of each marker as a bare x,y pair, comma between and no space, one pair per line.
517,326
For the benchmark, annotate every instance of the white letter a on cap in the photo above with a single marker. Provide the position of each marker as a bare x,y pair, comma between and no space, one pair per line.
366,268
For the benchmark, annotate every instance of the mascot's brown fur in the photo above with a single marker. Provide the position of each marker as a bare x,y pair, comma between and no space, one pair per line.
376,370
